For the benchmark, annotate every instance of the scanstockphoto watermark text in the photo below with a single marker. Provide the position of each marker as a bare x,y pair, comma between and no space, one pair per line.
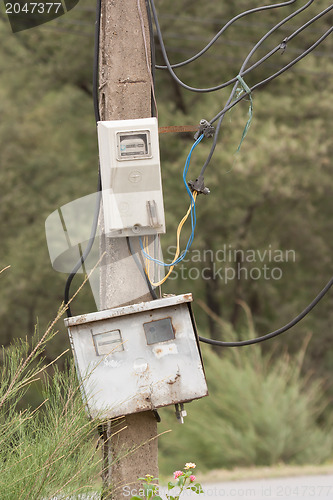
263,491
229,263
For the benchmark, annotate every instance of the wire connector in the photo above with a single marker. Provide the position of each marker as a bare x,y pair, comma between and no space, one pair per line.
199,185
283,45
205,128
180,412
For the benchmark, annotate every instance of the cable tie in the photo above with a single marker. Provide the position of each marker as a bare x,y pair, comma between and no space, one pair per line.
246,88
205,128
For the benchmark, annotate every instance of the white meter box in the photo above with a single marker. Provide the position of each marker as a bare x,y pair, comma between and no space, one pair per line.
138,357
131,177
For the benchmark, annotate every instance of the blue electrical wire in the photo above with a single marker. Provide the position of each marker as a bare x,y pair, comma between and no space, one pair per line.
193,214
193,211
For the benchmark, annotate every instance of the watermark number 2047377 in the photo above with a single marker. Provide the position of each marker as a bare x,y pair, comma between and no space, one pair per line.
24,14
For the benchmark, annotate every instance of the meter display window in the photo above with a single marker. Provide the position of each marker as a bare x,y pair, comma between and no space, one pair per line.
108,342
159,331
133,145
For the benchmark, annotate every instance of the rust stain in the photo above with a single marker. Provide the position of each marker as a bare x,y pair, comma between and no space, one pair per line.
178,129
128,309
171,382
81,320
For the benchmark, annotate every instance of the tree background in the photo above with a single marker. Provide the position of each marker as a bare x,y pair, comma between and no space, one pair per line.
275,193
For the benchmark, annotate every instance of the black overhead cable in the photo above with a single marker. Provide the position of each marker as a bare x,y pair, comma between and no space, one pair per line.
96,60
141,268
276,332
152,54
92,237
85,254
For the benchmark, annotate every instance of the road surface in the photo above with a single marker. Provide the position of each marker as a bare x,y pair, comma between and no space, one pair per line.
305,488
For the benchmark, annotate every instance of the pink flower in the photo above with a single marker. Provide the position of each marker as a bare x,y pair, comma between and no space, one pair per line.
177,473
192,478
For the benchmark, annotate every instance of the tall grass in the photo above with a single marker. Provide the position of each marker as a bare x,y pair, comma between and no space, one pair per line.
50,451
260,411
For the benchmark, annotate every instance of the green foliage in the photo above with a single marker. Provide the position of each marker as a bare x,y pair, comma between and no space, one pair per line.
184,480
260,411
50,450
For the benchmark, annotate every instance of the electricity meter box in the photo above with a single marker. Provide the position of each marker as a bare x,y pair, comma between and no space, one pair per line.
138,357
131,177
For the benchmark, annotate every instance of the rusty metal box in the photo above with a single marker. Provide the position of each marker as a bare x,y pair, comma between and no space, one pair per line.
138,357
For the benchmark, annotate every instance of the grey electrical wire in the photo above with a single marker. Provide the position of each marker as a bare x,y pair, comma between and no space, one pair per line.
233,80
242,72
213,40
278,73
222,30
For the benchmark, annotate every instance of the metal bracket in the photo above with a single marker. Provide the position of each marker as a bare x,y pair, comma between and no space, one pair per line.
157,416
204,128
180,412
199,185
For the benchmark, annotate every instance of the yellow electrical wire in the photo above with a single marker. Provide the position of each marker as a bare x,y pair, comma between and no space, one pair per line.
180,226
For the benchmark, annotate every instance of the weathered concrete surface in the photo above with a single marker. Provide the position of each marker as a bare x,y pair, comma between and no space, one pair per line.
125,93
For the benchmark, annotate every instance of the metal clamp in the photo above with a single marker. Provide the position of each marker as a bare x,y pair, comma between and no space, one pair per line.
199,185
204,128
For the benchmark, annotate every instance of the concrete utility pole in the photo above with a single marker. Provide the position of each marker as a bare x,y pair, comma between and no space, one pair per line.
125,93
